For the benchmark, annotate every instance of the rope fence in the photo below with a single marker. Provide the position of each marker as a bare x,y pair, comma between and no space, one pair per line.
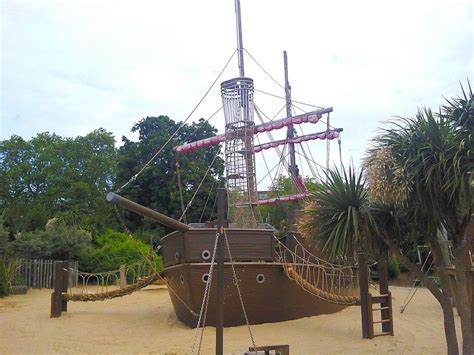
330,282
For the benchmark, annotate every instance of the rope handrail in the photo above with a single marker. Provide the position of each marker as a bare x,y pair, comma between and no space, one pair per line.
142,272
318,259
327,281
101,296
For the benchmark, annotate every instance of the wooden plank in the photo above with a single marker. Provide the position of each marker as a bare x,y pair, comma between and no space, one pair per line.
57,301
364,294
380,298
381,321
390,313
45,274
370,317
34,273
29,273
279,349
45,279
50,275
42,274
383,286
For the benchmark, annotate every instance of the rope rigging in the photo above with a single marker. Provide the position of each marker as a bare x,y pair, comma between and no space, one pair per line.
205,302
282,163
207,200
198,188
315,175
327,281
196,347
134,177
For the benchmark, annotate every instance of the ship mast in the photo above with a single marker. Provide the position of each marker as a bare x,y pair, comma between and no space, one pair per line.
237,101
240,45
290,134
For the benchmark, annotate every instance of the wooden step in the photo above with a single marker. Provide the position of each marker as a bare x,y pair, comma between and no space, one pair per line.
382,334
382,321
385,301
379,298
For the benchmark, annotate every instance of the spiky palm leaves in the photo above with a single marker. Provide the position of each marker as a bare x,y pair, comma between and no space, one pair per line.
425,162
434,155
340,218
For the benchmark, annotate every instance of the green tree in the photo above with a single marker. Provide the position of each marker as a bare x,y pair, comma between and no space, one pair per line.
110,250
340,218
157,186
424,165
50,176
277,215
57,241
419,174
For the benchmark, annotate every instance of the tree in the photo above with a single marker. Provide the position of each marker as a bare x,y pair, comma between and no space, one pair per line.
50,176
57,241
157,186
111,250
419,175
340,217
277,215
424,165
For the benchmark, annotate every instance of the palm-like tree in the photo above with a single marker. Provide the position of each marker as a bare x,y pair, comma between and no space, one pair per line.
341,222
340,218
419,173
431,162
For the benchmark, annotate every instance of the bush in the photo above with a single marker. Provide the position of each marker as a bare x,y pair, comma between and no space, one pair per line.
57,241
111,250
7,276
393,267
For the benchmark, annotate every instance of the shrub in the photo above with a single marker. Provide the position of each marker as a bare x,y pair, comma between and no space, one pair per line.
112,249
393,267
57,241
7,276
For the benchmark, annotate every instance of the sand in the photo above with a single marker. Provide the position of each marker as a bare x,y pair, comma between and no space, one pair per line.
144,322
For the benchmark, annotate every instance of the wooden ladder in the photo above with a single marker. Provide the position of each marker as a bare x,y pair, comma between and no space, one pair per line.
385,308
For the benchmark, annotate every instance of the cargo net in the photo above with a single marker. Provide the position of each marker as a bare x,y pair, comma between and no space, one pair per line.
115,283
329,282
238,105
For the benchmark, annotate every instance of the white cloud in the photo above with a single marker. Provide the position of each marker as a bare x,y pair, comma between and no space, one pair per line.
73,66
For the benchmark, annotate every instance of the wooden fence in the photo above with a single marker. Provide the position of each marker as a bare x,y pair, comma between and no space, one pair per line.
41,273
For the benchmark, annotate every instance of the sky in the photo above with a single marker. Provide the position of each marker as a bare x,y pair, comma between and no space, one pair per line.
70,67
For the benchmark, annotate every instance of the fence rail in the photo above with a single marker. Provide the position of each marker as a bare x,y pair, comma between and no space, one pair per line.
41,273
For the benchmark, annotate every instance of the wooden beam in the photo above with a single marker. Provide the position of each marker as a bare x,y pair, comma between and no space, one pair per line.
383,285
364,294
58,304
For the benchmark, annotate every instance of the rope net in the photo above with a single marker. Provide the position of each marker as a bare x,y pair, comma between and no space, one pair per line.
330,282
111,284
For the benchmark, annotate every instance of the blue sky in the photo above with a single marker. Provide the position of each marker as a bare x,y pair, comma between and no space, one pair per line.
72,66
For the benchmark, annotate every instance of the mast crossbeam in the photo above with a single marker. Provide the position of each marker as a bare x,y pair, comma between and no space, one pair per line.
310,117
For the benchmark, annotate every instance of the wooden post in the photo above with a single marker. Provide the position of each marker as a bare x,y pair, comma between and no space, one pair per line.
58,304
220,272
390,310
292,168
370,317
65,284
364,294
383,285
123,277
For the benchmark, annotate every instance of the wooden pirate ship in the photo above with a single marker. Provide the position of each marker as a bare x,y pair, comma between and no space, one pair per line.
265,280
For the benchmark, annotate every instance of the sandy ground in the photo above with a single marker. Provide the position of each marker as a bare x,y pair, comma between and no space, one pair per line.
144,322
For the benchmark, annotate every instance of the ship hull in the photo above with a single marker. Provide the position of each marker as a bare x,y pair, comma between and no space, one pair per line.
272,297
